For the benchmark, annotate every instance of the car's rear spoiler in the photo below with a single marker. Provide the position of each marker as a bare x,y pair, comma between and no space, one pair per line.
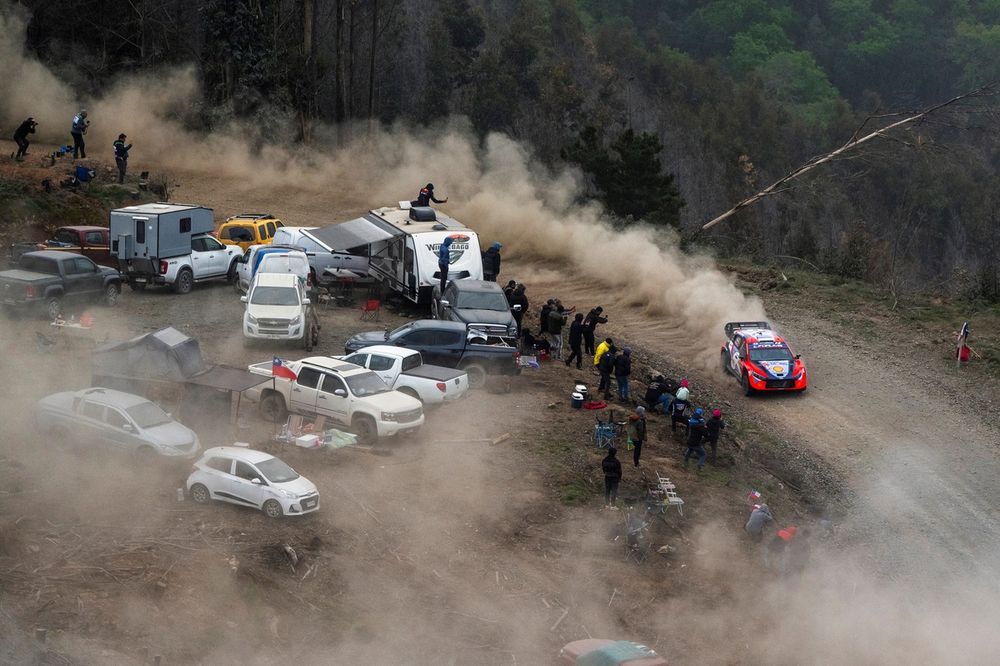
733,325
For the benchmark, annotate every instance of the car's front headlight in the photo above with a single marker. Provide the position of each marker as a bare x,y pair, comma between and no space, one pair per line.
295,320
758,377
251,319
287,493
388,416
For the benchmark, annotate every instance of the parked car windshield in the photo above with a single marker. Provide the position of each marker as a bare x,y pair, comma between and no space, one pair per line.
147,415
482,300
770,354
275,296
366,383
276,471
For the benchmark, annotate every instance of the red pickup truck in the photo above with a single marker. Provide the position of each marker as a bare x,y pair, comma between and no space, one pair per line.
91,242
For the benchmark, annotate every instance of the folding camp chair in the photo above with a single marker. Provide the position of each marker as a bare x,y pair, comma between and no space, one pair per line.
371,309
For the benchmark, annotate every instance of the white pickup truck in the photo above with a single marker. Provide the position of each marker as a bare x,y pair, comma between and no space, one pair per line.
342,392
209,260
405,371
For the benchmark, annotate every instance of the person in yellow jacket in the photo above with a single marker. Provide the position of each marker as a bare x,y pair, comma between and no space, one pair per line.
601,349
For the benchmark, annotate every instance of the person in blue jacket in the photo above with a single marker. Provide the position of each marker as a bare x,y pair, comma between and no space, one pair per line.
444,260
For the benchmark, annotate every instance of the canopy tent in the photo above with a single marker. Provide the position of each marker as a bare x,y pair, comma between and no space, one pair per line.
353,233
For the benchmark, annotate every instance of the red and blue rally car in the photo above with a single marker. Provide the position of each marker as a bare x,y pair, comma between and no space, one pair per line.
760,359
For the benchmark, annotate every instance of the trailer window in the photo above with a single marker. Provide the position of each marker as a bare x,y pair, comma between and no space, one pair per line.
185,225
140,231
408,260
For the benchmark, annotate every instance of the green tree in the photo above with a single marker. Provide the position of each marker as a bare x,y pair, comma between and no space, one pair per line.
629,176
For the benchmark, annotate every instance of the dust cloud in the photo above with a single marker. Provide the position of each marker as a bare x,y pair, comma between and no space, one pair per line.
494,185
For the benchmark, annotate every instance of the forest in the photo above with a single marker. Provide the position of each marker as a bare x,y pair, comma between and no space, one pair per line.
674,109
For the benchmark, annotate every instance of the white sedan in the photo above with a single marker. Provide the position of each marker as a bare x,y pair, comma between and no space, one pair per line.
251,478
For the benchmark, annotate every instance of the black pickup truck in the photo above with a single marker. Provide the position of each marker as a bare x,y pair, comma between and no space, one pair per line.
48,280
450,344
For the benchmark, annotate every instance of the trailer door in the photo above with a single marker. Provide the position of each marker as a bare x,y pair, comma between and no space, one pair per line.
140,247
409,270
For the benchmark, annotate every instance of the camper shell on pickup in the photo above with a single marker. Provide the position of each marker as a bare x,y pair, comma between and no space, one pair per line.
142,235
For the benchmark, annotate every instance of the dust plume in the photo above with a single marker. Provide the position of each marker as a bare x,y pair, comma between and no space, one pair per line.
495,185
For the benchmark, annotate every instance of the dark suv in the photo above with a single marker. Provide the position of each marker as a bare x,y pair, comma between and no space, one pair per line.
478,303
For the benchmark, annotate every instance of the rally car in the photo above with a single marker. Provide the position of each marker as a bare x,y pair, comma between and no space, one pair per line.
761,359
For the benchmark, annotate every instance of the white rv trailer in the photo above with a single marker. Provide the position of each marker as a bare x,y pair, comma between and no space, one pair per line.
403,244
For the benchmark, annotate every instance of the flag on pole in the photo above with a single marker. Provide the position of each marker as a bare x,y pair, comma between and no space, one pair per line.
963,335
279,369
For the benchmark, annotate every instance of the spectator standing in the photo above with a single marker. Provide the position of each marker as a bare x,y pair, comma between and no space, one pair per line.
517,298
678,405
623,368
121,156
606,367
612,468
543,316
602,349
491,262
508,291
713,427
576,341
21,137
444,260
557,319
79,128
590,323
696,438
637,432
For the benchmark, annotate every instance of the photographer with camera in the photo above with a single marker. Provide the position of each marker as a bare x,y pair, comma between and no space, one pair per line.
21,137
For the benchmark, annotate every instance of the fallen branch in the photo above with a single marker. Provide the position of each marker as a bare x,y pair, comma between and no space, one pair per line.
852,143
559,621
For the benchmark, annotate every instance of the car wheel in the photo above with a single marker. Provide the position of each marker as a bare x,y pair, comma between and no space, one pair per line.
231,274
725,362
53,308
111,294
137,286
477,375
272,509
745,384
184,281
200,494
272,408
365,428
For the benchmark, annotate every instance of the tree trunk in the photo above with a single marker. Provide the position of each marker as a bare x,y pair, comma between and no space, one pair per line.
340,100
371,66
308,110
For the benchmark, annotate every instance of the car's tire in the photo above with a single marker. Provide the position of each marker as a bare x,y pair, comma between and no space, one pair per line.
53,307
272,509
725,362
477,375
231,273
200,494
366,430
272,408
745,384
137,286
111,293
184,282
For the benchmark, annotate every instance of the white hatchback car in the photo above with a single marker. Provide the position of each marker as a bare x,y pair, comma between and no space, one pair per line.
251,478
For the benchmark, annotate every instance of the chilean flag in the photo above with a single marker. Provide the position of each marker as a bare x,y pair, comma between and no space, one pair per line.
279,369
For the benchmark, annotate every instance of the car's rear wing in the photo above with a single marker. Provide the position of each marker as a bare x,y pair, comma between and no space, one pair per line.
733,325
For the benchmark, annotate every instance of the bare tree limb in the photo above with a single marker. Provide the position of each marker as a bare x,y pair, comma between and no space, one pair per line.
854,142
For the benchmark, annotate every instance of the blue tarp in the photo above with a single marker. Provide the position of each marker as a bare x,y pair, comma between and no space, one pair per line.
615,654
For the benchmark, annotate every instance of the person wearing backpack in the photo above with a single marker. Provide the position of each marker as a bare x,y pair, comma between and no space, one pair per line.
623,368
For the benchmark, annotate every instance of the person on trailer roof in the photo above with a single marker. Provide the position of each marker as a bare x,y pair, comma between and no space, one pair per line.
426,196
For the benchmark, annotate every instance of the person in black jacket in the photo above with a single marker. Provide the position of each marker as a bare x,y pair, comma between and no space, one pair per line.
612,477
21,136
590,323
508,291
426,196
712,428
623,368
543,317
576,340
606,367
517,298
121,156
491,262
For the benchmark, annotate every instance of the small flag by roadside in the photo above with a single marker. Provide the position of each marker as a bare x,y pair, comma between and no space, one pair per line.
279,369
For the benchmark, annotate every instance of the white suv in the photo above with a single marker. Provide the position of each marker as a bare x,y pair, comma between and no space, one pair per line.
251,478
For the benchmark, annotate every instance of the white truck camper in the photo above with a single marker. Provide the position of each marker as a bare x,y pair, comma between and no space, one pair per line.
143,235
403,245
